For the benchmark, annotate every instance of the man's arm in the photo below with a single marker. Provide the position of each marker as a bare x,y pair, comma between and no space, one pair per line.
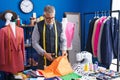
36,46
35,41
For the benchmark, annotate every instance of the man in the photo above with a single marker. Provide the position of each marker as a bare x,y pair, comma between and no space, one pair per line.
48,38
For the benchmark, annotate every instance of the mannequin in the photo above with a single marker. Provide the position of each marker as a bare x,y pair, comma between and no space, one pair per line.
8,17
11,45
68,27
13,25
64,23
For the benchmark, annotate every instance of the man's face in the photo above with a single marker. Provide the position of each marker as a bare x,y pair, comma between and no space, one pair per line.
49,18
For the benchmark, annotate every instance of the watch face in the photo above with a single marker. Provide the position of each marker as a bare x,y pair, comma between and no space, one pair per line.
26,6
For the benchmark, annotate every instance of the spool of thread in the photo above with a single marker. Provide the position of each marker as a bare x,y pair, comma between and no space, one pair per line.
95,67
96,63
91,67
86,68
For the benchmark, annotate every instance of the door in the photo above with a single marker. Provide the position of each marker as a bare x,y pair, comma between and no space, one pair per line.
76,48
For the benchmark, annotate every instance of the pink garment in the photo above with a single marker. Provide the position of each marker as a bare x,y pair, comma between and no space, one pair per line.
11,50
69,34
96,35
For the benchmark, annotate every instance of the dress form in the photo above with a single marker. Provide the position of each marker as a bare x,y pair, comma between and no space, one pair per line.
11,47
68,28
13,25
64,23
8,17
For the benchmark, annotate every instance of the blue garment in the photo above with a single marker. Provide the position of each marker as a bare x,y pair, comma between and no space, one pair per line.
50,26
115,36
53,78
89,39
106,44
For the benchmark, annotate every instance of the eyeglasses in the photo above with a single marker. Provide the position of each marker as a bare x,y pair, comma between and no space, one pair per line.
49,18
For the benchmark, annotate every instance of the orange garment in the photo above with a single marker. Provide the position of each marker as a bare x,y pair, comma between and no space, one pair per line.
59,67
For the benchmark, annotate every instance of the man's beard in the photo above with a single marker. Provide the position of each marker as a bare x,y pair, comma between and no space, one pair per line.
49,23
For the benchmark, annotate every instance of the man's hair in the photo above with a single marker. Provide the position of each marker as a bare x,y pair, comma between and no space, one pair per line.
49,9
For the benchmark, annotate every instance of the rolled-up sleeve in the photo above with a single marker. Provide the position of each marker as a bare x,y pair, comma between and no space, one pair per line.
35,41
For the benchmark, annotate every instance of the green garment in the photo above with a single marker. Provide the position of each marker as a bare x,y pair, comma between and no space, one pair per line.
71,76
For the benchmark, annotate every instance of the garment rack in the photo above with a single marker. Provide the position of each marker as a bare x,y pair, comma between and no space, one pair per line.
102,12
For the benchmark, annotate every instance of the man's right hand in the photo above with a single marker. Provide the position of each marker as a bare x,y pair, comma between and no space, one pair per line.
48,56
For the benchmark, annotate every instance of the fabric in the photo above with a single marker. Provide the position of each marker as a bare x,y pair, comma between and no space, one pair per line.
11,50
69,34
71,76
96,35
53,78
106,48
41,18
99,41
59,67
115,36
89,43
95,26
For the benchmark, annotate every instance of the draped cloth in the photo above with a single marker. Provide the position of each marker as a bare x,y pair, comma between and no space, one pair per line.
59,67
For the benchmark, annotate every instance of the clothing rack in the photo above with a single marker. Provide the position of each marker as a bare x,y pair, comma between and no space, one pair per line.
106,12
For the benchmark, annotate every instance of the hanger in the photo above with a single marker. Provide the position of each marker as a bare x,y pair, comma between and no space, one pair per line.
97,14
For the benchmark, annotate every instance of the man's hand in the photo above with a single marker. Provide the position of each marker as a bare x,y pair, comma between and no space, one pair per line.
64,53
48,56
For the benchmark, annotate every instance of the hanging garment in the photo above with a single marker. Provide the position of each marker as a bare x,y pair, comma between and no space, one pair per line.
96,35
59,67
69,34
106,48
115,36
89,39
92,41
99,40
11,50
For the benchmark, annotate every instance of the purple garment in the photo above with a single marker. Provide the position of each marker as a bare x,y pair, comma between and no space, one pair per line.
53,78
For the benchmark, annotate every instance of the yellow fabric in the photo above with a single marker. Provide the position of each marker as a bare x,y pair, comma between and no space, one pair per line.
41,18
59,67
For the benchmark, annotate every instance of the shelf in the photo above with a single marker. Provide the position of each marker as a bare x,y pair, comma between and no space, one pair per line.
28,45
28,26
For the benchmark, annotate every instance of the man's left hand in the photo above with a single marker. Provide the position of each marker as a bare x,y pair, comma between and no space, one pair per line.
64,53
